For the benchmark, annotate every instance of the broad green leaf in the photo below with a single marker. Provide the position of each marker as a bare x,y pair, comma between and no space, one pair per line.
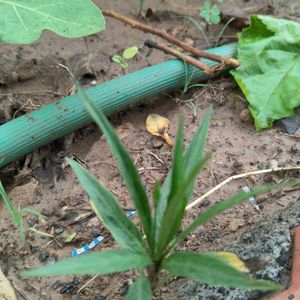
226,204
117,59
269,51
192,155
140,290
210,13
95,263
23,21
106,207
127,168
130,52
211,268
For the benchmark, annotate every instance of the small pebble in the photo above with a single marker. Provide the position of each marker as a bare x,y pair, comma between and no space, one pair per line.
156,142
43,256
58,229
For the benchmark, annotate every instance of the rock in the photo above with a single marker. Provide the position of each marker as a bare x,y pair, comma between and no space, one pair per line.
156,142
47,212
291,124
235,224
123,289
268,241
43,256
58,229
245,116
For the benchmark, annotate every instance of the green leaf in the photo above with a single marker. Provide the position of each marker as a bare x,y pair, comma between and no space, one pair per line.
106,207
95,263
175,210
226,204
13,213
71,237
32,211
269,73
192,155
130,52
23,21
140,290
42,233
127,168
178,162
211,269
117,59
210,13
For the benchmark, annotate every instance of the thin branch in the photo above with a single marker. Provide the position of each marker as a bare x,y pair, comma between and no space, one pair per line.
163,34
188,59
251,173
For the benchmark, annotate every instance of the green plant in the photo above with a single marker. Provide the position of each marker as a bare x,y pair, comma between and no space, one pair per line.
270,68
141,5
17,215
210,12
155,255
23,21
128,54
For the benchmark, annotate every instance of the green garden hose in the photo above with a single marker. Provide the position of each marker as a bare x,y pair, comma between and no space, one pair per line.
28,132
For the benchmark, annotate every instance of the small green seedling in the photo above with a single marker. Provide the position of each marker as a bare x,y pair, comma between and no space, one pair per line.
210,12
17,215
128,54
151,251
141,5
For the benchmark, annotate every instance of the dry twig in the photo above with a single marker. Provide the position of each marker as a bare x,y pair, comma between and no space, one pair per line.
163,34
188,59
251,173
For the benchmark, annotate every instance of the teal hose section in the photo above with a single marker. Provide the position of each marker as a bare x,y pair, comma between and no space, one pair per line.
28,132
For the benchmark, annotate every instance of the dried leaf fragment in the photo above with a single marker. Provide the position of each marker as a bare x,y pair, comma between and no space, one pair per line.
233,261
158,126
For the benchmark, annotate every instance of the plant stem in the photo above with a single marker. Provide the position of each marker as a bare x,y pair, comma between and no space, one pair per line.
188,59
163,34
153,275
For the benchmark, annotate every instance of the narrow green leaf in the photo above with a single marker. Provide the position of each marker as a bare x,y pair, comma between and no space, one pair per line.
156,193
140,290
42,233
95,263
32,211
193,154
175,210
226,204
130,52
121,227
127,168
13,213
211,269
23,21
178,161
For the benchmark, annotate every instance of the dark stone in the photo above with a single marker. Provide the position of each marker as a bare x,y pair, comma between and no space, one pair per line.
43,256
58,229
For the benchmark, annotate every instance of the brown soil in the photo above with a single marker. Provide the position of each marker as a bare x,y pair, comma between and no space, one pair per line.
31,77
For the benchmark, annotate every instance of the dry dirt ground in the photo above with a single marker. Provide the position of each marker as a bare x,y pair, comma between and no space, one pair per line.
30,76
